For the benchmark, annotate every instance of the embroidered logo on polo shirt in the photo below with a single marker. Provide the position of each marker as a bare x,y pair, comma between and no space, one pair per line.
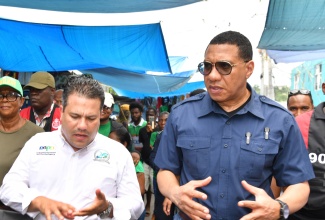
46,150
101,155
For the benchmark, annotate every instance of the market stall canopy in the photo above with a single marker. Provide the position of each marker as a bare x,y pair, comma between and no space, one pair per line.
294,30
94,37
28,47
96,6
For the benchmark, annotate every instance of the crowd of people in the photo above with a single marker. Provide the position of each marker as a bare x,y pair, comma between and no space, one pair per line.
223,153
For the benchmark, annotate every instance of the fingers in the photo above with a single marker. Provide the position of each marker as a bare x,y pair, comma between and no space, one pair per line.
167,206
183,197
247,204
51,207
251,189
100,195
198,184
201,183
98,205
195,210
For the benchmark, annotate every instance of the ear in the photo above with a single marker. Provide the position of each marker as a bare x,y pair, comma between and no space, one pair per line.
52,92
250,68
22,100
323,88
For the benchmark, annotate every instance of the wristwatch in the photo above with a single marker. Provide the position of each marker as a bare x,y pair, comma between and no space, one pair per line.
284,210
105,214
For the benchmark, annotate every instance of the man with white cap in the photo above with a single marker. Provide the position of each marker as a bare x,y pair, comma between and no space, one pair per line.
43,112
107,125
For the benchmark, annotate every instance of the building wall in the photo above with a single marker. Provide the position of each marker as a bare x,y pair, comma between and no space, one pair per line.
310,75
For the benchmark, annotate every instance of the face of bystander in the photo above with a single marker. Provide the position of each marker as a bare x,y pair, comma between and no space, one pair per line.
162,121
136,115
41,99
105,113
10,109
58,97
300,103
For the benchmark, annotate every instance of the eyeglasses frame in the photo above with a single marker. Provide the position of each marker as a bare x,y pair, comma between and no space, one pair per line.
6,96
214,64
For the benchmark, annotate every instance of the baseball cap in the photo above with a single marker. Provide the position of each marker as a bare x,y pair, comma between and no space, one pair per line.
11,82
109,100
125,107
41,80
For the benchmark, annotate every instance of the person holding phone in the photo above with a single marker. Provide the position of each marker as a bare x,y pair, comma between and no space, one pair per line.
144,138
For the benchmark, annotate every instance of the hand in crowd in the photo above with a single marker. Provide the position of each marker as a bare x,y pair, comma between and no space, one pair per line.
149,127
99,205
49,206
183,196
167,204
264,207
136,158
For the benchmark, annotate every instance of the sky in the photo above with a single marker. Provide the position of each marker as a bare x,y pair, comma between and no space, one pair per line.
187,30
194,27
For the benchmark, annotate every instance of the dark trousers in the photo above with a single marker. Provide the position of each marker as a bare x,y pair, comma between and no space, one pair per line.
159,199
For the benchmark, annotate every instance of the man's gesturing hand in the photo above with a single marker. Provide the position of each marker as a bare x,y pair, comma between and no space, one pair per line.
183,197
100,204
264,207
49,206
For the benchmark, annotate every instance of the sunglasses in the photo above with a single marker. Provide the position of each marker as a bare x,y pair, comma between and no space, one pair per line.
106,108
299,91
223,67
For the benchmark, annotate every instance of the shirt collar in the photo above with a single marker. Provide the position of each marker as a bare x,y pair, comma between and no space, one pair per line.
48,113
142,121
253,106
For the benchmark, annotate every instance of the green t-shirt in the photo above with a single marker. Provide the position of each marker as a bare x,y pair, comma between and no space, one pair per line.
105,129
139,168
153,138
134,132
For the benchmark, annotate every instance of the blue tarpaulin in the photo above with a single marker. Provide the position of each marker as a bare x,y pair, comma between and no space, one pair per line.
28,47
97,6
97,37
294,30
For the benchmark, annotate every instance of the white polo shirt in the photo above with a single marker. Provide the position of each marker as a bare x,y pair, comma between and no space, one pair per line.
48,166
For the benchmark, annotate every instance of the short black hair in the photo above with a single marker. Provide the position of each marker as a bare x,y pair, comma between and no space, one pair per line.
138,105
197,91
311,98
124,136
151,109
238,39
83,86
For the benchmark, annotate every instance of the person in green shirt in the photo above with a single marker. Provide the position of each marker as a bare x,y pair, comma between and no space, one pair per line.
162,119
106,123
137,122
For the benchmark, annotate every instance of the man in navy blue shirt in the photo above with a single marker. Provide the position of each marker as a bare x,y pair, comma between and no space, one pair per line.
226,144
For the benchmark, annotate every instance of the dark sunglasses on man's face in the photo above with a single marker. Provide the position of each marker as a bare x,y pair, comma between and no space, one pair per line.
223,67
299,91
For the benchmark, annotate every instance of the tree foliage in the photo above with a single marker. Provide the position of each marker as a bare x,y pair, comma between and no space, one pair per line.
281,93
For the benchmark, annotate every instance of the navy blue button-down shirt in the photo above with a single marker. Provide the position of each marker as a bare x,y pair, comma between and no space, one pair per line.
200,140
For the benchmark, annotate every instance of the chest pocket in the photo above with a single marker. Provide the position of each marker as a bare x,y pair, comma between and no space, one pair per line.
256,157
196,155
